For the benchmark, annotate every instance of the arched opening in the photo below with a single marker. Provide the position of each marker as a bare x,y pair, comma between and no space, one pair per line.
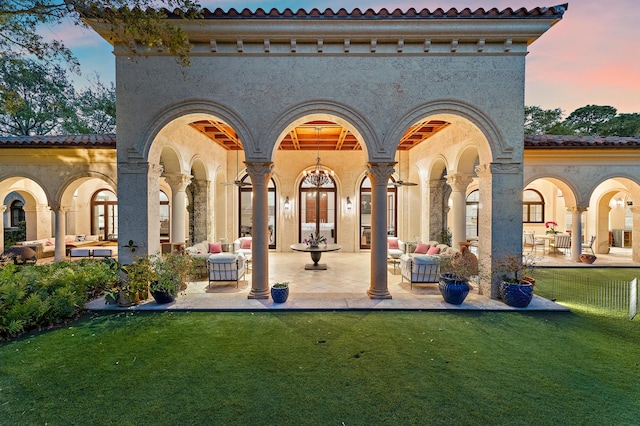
245,219
365,211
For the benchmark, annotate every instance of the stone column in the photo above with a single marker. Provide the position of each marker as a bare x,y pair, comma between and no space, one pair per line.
178,184
379,174
458,183
3,209
436,208
60,231
500,220
138,209
576,231
202,229
260,174
635,234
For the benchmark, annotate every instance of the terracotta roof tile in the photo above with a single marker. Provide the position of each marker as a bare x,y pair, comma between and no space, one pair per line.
439,13
59,141
567,142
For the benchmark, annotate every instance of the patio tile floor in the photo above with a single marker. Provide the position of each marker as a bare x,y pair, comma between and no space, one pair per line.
344,285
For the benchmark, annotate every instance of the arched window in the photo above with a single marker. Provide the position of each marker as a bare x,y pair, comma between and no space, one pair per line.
17,213
104,214
318,210
246,210
165,215
532,206
473,202
365,211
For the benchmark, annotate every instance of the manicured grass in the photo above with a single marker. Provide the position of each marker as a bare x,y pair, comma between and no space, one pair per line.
356,368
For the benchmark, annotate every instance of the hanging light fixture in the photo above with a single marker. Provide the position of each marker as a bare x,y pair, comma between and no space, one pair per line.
319,176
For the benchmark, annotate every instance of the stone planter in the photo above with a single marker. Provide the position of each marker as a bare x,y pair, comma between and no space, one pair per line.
587,258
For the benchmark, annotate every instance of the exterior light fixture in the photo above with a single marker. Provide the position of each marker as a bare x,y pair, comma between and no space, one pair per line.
349,204
286,203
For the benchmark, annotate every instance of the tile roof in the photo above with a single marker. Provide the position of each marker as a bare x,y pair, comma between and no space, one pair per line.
563,142
59,141
439,13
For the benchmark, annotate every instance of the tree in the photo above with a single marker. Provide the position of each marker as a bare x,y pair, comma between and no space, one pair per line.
35,98
622,125
130,19
95,110
538,121
590,119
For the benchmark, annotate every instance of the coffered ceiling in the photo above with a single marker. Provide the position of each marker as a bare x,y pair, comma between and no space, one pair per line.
314,135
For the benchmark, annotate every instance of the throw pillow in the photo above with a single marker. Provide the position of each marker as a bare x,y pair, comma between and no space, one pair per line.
393,243
245,243
422,248
433,250
215,247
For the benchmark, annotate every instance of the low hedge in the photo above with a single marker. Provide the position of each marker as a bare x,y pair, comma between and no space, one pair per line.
38,296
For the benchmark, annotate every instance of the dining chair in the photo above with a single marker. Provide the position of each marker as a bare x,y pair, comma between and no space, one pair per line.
589,245
561,241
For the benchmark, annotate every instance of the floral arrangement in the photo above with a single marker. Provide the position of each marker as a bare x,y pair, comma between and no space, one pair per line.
551,227
315,240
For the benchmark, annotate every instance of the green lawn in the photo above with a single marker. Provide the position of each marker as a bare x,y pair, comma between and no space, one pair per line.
356,368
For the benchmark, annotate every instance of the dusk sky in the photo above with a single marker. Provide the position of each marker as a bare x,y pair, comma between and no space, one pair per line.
590,57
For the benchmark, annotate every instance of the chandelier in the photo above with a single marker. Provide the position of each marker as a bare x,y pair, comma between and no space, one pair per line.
319,176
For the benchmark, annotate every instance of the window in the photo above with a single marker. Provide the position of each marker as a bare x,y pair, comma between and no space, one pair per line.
318,210
104,214
17,213
532,206
365,212
164,218
473,201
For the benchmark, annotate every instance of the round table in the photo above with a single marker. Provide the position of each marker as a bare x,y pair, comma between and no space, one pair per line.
316,254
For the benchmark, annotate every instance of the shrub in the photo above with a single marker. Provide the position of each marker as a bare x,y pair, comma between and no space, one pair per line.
33,296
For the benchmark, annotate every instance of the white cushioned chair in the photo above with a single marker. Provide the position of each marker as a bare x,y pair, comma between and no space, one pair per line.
420,268
225,267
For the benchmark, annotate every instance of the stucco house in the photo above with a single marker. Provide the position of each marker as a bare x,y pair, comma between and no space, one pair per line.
377,100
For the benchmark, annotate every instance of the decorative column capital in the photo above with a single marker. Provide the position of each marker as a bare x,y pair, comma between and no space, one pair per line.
379,173
260,173
488,169
578,209
58,208
459,181
178,182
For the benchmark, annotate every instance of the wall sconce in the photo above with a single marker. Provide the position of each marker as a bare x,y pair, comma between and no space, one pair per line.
286,203
619,202
349,204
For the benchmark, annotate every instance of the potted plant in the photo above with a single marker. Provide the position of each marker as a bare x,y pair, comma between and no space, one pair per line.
315,240
454,281
517,282
280,292
169,274
134,282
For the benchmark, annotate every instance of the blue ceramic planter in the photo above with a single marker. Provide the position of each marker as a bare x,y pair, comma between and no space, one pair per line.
516,295
279,295
453,290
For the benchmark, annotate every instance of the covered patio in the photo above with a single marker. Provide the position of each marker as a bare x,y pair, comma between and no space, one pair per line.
343,287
